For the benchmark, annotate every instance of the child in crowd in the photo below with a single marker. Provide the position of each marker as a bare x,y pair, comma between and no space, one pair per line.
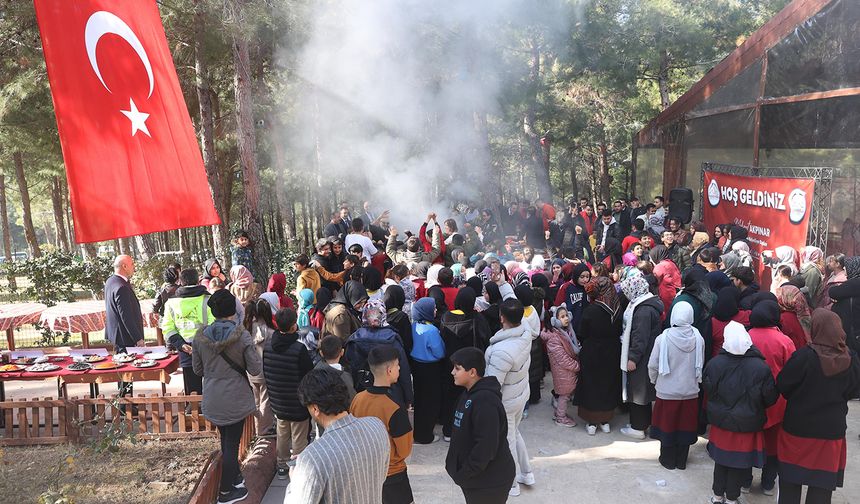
384,363
740,387
508,358
675,367
479,459
426,361
285,362
242,252
331,350
563,350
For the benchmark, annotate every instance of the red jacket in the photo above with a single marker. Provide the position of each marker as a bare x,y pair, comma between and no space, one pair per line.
589,222
420,289
718,326
547,214
627,243
668,282
450,295
791,327
428,245
776,348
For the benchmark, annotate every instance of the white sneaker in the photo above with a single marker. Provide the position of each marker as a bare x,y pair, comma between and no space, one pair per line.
716,500
515,490
745,489
447,439
605,427
632,433
526,479
591,429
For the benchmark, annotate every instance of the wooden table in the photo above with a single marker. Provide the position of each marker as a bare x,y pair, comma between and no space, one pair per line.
15,315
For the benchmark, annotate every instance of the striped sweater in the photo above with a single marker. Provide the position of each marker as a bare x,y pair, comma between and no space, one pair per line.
348,463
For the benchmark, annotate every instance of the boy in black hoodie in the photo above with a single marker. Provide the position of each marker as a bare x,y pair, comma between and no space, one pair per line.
479,460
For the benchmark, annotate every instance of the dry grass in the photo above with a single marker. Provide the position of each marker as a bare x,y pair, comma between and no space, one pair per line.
153,471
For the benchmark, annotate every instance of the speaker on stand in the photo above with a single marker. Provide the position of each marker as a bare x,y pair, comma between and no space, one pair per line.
681,204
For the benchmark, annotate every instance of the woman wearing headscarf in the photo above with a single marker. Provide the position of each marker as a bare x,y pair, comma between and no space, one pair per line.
782,256
375,331
846,302
736,234
817,381
776,348
317,312
699,243
640,327
532,320
243,286
212,269
835,276
278,284
420,279
572,293
556,279
599,332
342,314
668,276
699,295
729,263
726,309
306,302
740,388
493,297
717,280
433,275
742,250
812,271
428,362
438,295
675,368
372,281
795,317
461,327
394,300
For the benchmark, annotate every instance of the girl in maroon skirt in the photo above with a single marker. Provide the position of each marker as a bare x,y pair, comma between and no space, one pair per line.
740,387
817,381
675,368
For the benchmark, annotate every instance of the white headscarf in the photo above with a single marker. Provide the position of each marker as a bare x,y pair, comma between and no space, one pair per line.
273,299
737,340
433,275
538,263
683,336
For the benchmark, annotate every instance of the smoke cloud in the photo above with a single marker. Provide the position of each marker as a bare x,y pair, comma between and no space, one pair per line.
393,96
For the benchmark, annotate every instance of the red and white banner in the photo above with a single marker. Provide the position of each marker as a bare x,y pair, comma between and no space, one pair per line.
132,159
775,211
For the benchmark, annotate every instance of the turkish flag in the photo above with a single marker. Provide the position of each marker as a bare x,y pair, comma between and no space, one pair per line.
132,160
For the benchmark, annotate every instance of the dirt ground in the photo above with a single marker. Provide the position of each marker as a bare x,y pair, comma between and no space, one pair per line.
149,471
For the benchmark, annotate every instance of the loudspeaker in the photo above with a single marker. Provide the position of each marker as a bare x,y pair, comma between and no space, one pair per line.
681,204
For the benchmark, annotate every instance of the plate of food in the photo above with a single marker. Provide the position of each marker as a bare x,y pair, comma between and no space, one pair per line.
11,368
144,363
79,366
95,358
45,367
101,366
50,358
123,358
157,355
24,361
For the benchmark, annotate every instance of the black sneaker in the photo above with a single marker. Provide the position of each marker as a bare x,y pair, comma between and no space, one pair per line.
283,473
234,495
240,481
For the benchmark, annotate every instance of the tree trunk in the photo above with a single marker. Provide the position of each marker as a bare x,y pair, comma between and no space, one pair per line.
145,246
247,146
65,193
220,234
663,80
59,219
88,251
29,230
7,233
541,168
574,185
603,175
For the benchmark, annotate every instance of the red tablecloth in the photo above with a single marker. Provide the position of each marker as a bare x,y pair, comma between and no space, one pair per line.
78,317
15,315
126,372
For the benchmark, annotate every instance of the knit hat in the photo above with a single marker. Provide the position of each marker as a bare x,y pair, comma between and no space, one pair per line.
222,303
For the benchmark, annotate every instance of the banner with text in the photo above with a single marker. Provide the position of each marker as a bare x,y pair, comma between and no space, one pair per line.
775,211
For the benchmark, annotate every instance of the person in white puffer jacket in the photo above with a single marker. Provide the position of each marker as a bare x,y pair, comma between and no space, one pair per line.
508,358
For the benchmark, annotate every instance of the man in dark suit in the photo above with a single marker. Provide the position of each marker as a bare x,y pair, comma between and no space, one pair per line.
123,320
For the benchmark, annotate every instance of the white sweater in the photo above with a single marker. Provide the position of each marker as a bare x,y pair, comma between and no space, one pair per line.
508,358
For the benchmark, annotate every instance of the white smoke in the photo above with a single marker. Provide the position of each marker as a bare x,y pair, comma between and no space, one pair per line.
392,88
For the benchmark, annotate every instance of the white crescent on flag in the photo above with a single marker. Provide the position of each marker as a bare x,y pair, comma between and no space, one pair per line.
102,23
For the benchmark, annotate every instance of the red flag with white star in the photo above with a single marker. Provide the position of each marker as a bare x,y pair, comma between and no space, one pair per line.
132,159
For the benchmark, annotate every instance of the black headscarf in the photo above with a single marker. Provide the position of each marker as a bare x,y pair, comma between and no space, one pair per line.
394,297
352,293
465,300
696,286
207,266
765,314
480,265
717,281
726,306
438,295
494,294
759,297
524,294
371,279
323,298
658,253
476,285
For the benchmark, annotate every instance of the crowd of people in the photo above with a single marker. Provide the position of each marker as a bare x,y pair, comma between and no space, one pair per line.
631,310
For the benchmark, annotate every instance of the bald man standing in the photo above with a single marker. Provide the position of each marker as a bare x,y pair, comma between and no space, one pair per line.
123,321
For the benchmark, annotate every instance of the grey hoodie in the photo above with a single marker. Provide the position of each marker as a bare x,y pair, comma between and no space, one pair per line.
228,398
683,342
